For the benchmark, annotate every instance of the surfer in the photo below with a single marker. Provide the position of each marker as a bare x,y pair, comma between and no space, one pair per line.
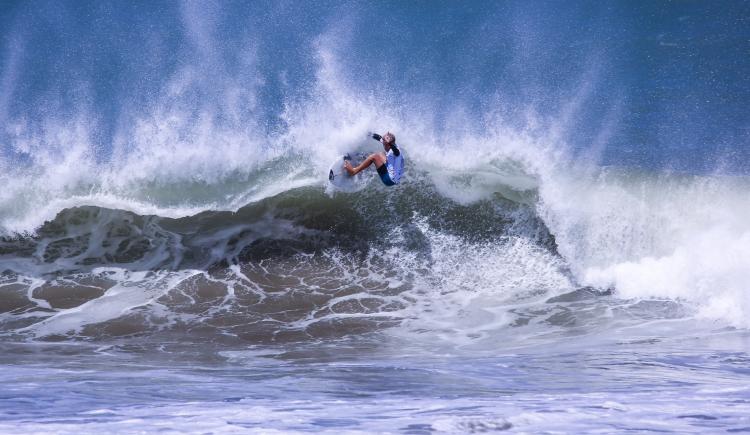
390,164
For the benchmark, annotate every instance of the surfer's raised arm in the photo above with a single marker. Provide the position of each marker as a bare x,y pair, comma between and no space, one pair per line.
389,164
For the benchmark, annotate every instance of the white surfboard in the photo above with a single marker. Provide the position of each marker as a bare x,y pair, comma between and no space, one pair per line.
340,180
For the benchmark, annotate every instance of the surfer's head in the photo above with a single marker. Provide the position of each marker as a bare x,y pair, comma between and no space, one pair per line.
389,139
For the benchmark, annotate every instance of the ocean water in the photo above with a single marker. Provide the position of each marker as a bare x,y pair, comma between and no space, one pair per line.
568,251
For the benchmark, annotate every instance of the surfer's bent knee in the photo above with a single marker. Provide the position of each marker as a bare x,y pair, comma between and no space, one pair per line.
378,159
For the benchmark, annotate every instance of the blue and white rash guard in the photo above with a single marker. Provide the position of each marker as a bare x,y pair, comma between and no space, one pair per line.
395,165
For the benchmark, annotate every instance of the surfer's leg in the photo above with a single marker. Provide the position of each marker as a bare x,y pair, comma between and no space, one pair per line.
377,158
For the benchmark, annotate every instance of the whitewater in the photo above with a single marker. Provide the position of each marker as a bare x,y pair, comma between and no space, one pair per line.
568,250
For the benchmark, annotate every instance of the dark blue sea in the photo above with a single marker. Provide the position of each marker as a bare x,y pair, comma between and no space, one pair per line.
568,250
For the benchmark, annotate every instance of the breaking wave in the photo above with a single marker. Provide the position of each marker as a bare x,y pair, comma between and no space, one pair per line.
198,207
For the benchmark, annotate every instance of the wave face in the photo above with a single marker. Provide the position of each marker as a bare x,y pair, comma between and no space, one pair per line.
163,170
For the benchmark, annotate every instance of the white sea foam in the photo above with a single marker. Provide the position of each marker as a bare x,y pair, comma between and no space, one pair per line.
133,290
464,292
677,237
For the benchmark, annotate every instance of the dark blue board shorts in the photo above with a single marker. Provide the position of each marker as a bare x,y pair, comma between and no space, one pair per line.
383,172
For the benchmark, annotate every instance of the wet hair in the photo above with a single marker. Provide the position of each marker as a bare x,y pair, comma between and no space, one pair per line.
389,138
